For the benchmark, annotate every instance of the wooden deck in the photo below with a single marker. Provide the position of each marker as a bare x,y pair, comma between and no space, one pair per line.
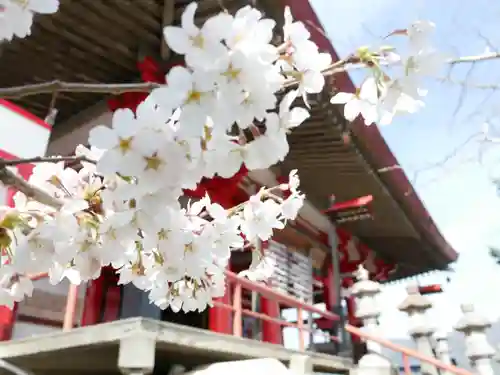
136,344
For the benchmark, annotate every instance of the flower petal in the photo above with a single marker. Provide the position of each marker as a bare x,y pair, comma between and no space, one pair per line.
187,18
102,137
352,109
177,39
124,123
287,101
297,116
43,6
342,98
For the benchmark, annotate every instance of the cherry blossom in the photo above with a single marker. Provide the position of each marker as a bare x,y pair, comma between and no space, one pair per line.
16,16
362,103
198,45
217,113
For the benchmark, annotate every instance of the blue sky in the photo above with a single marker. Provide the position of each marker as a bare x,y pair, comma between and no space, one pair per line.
460,195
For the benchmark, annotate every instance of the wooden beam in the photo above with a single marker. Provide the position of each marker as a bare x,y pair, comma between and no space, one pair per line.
168,18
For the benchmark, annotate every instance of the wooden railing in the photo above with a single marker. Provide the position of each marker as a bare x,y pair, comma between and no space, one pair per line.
406,353
241,283
266,292
68,321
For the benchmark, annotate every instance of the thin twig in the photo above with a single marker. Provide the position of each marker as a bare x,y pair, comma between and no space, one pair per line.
48,159
9,178
75,87
477,86
120,88
475,58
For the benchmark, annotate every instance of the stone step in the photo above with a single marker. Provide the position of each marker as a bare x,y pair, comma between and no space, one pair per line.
141,343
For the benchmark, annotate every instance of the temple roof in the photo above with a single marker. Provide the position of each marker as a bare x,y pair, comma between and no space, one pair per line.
99,42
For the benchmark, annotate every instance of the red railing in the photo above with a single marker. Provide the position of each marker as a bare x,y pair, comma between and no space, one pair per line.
406,353
240,283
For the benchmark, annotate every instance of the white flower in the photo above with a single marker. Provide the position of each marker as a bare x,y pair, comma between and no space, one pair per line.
310,64
118,142
13,287
251,105
399,96
363,102
265,151
168,236
41,6
294,33
252,34
260,218
157,160
16,17
197,256
23,204
419,34
262,271
287,118
425,63
192,91
291,206
293,181
207,120
229,157
200,46
93,154
55,179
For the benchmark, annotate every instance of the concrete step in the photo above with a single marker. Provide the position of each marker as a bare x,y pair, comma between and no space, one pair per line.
137,342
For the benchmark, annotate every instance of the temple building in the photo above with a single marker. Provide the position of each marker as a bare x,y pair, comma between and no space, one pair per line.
360,208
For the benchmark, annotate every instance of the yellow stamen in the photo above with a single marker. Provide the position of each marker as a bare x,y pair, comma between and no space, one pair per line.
198,41
163,235
125,145
231,73
194,96
153,162
132,203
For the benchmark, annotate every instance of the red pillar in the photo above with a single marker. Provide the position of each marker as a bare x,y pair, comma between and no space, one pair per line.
220,319
102,299
329,288
271,331
7,320
93,302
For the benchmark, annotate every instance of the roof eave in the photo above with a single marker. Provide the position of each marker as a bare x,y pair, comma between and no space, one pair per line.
373,147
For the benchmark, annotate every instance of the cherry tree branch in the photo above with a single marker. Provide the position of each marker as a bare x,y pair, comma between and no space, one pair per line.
11,179
75,87
47,159
475,58
120,88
